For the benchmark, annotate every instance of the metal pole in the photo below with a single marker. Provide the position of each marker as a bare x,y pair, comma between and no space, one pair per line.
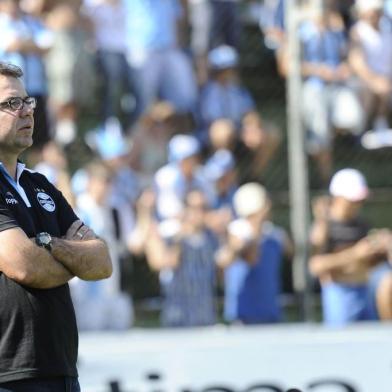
298,169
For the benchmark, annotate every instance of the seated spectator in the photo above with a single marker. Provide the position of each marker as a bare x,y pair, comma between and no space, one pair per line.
252,260
223,96
326,73
114,149
348,260
183,251
108,143
253,145
101,305
221,135
150,138
371,59
258,142
173,181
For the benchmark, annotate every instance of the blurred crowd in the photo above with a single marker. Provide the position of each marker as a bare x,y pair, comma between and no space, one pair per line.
346,67
179,149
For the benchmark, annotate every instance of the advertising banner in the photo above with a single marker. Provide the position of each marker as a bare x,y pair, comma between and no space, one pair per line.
310,358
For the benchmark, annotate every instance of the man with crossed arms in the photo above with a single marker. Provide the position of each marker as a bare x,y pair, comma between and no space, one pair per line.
43,245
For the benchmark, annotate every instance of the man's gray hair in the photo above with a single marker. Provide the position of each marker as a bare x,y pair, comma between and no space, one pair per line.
7,69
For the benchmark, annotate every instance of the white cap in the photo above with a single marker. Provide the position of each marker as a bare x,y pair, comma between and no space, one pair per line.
169,205
367,5
249,199
182,146
350,184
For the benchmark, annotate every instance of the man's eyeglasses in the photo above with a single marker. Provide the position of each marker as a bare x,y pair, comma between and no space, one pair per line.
18,103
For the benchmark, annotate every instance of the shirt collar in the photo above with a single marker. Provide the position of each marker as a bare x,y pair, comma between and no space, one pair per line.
20,167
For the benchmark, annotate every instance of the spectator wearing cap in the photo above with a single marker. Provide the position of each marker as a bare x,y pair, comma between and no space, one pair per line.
180,175
223,96
371,60
347,259
252,260
109,144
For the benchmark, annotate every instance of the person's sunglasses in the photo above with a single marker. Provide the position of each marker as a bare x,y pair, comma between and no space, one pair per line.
18,103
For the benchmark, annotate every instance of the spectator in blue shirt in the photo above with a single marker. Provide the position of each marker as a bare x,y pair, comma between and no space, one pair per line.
325,88
223,96
183,173
252,260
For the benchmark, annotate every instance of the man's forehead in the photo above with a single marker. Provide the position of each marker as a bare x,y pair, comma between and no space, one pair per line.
11,87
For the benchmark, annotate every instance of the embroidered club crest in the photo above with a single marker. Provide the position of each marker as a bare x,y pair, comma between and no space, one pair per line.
46,201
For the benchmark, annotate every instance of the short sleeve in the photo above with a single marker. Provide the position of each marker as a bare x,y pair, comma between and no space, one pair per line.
7,220
65,213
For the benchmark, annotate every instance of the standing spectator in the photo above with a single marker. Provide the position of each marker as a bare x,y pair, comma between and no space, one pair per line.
326,73
101,305
110,30
185,257
345,253
252,260
223,96
371,59
161,69
24,42
70,68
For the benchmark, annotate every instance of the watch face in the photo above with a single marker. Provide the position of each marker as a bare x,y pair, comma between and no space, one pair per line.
45,239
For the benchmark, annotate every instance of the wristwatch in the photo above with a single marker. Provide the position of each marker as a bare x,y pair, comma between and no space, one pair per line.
44,240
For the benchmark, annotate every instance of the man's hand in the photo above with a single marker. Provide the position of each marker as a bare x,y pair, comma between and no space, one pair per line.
373,248
78,231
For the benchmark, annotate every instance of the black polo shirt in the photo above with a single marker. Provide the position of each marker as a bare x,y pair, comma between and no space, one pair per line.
38,334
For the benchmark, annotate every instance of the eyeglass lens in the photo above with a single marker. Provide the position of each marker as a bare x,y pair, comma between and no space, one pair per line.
18,103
